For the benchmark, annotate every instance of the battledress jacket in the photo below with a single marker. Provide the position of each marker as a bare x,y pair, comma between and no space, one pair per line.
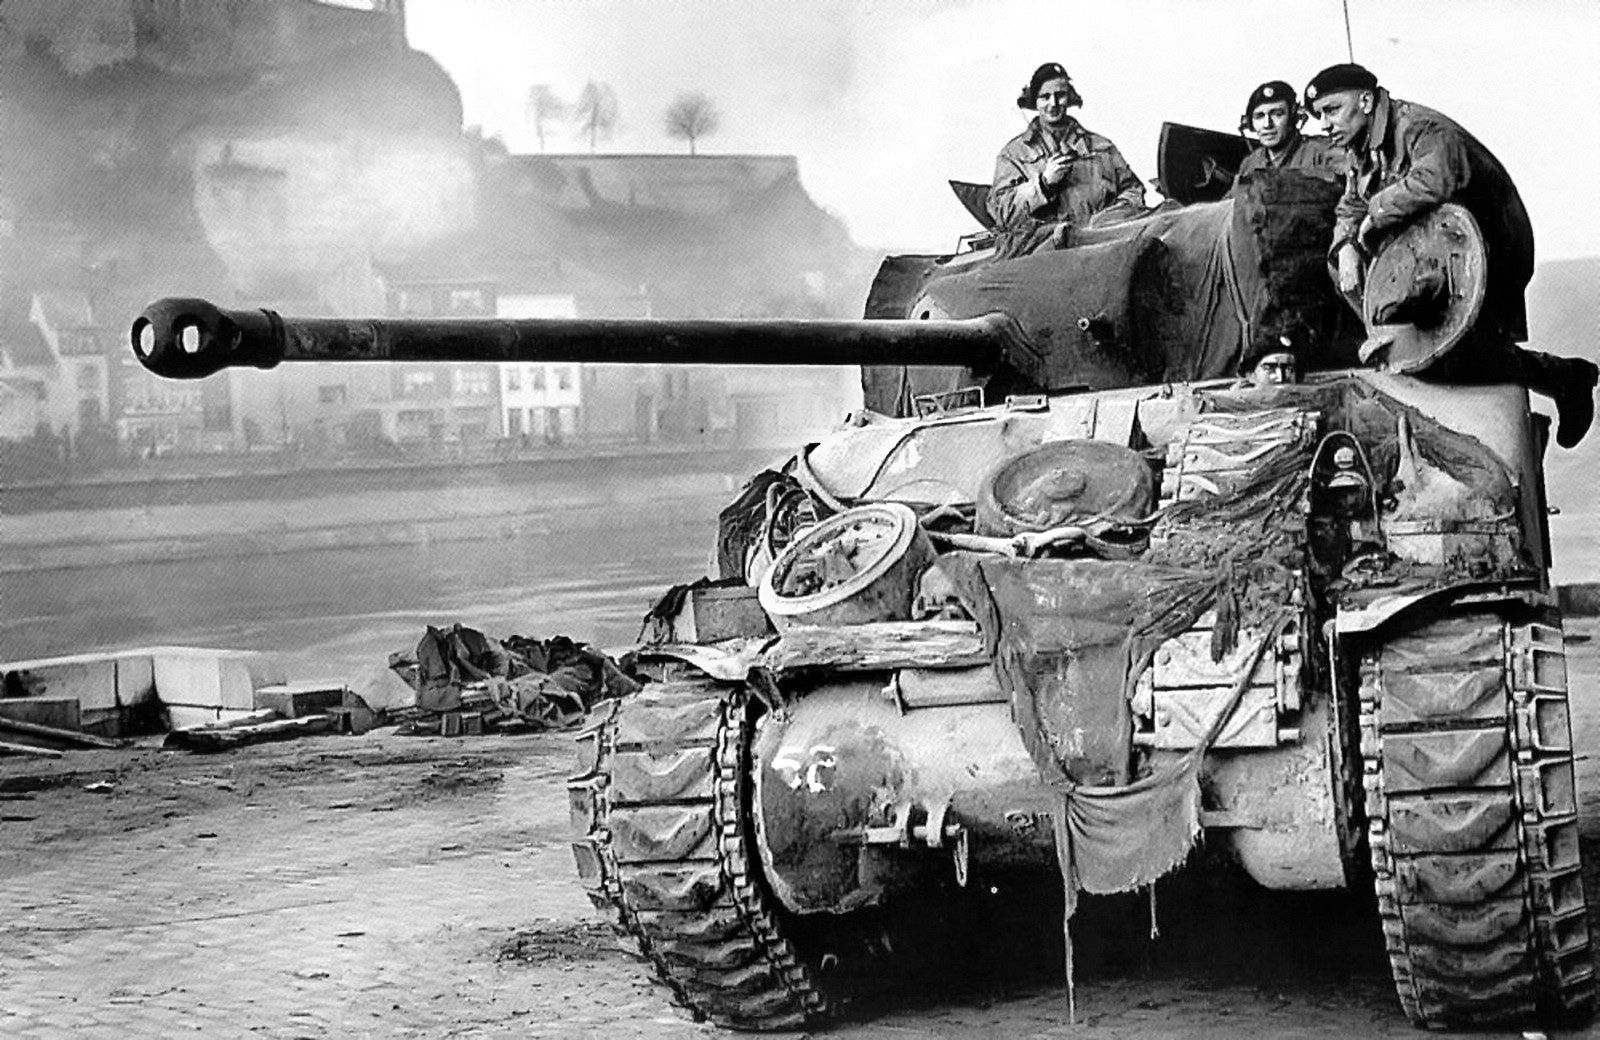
1312,154
1415,159
1098,178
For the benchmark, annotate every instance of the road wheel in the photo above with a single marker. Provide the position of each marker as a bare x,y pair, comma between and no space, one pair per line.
1472,821
661,810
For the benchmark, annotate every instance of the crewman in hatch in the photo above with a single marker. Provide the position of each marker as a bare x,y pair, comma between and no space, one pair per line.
1056,174
1406,159
1273,117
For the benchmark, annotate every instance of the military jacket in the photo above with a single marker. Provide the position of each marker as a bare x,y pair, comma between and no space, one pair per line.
1415,158
1312,154
1097,178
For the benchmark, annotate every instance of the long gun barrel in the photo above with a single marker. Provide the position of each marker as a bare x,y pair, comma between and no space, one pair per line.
191,339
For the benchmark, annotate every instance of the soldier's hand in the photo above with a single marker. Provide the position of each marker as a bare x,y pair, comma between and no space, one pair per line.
1367,235
1055,170
1349,270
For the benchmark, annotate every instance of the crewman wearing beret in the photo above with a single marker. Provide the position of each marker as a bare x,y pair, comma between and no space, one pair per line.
1273,116
1406,159
1056,174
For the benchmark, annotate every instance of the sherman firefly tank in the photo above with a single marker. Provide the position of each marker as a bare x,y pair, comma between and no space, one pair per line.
1070,594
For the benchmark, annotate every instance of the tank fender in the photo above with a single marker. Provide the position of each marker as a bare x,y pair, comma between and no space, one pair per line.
1369,616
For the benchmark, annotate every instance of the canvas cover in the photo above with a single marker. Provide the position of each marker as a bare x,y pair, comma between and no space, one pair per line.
1186,293
1069,638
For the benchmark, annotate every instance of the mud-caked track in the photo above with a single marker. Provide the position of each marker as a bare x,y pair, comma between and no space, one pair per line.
1473,820
662,801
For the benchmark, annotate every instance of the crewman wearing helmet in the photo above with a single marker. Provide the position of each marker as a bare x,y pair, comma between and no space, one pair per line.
1056,174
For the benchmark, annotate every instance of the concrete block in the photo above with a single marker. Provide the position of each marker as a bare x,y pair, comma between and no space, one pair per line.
89,679
297,699
206,678
106,722
56,712
136,679
128,720
181,716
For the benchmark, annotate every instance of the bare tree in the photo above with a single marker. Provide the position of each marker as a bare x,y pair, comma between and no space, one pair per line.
692,116
544,105
596,111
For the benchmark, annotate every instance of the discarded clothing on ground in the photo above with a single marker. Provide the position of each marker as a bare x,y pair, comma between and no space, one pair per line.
468,682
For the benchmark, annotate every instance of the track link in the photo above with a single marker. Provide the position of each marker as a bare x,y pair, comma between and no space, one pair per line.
1472,822
660,808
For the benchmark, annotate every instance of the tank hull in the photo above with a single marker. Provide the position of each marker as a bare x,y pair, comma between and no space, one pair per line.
848,779
846,782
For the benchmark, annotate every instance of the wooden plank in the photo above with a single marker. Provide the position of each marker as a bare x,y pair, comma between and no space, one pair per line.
222,738
8,748
880,646
65,736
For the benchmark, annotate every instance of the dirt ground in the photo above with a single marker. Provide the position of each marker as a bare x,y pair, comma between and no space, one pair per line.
384,886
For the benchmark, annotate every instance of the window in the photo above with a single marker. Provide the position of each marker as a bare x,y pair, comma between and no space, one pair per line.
331,394
514,377
538,379
514,422
412,301
469,301
217,416
416,384
564,378
472,382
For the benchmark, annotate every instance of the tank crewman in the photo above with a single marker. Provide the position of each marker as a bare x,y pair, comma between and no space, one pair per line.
1270,361
1275,369
1056,174
1273,116
1405,159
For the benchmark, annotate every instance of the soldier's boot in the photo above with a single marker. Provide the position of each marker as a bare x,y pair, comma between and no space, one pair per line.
1575,404
1570,382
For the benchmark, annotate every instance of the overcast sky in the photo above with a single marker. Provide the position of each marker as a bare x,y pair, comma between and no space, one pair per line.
883,101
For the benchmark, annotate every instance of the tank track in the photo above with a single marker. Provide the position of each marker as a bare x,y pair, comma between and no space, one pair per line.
660,809
1472,822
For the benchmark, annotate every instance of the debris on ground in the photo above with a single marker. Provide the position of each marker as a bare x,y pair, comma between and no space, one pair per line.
33,731
9,748
256,728
468,683
545,940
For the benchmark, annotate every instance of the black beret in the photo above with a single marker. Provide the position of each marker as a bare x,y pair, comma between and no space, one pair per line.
1335,78
1277,90
1043,74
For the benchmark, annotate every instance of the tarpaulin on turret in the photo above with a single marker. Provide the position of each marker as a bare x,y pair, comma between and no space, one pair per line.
1187,293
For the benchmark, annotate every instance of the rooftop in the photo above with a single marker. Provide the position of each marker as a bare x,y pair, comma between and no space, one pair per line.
23,346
